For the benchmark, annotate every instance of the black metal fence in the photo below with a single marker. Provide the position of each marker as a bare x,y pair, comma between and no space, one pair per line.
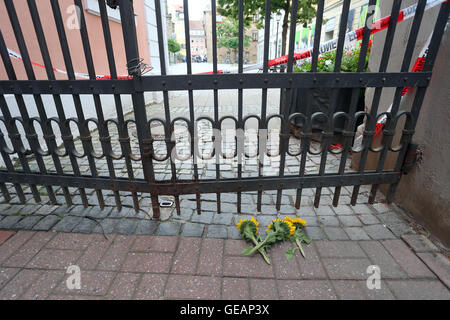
138,84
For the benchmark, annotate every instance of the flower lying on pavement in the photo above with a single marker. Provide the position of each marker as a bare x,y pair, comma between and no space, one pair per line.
249,231
277,231
298,236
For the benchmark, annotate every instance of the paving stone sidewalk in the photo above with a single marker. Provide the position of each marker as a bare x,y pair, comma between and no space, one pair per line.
33,265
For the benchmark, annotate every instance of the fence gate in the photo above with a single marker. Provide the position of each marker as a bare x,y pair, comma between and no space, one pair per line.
28,164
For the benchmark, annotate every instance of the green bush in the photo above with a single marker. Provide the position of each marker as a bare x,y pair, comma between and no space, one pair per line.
327,60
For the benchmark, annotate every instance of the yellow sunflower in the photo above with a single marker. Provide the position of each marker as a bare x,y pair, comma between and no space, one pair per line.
298,221
286,221
271,224
291,227
245,221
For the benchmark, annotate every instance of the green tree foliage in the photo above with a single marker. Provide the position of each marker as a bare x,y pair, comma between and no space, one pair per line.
228,35
174,46
252,8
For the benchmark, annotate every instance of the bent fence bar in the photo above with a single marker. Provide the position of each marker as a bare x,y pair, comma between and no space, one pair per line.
25,144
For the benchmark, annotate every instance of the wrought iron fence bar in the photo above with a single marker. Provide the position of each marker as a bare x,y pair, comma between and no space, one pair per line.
17,143
108,42
105,139
435,42
262,140
240,125
348,140
326,138
317,32
304,145
241,36
341,38
371,121
82,126
46,127
306,138
123,132
219,82
9,166
190,98
413,34
30,131
288,99
140,114
202,186
216,97
64,126
11,125
433,48
167,129
293,25
391,124
8,163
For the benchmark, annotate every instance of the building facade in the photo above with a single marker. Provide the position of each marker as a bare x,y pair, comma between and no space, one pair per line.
226,55
304,37
332,17
198,39
177,13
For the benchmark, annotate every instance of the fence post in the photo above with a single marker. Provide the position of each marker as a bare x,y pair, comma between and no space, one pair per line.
140,115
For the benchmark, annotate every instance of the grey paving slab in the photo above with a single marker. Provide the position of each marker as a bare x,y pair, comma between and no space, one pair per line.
419,243
378,232
9,221
314,233
67,224
46,223
356,233
217,231
126,226
334,233
85,226
106,226
193,229
146,227
168,228
27,223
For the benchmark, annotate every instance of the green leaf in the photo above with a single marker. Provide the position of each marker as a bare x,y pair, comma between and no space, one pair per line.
290,253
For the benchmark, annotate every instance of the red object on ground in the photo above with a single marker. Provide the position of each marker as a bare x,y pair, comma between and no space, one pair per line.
336,146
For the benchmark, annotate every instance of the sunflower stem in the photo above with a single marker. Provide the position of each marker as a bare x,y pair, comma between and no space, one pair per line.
300,247
260,250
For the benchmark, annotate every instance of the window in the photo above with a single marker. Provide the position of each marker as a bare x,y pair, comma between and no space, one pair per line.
351,15
255,36
329,26
92,7
329,35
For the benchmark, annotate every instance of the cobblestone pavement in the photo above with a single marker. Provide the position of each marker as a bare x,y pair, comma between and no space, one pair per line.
197,256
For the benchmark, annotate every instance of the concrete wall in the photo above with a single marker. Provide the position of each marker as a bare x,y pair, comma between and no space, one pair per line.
425,191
